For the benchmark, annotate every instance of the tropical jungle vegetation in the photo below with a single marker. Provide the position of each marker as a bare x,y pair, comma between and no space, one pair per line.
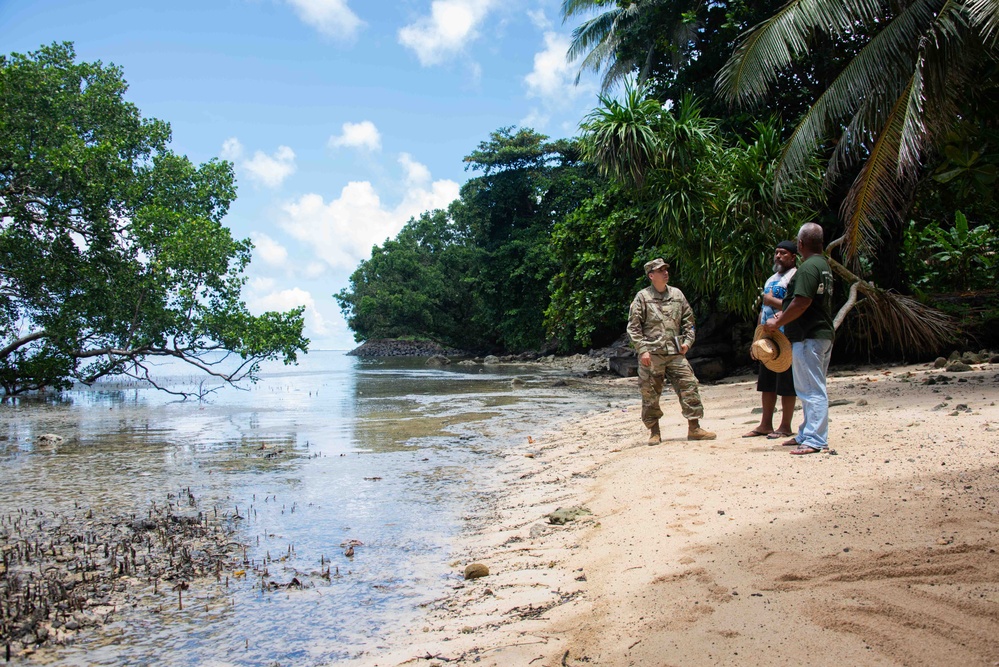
112,247
723,126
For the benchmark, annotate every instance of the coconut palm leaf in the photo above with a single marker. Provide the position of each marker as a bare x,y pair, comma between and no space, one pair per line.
774,44
875,195
985,15
876,73
596,40
893,321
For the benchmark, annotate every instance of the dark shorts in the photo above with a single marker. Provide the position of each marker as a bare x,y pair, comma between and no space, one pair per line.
782,383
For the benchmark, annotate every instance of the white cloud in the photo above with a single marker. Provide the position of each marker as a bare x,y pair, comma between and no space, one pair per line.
539,19
268,250
358,135
552,77
343,231
287,299
268,170
417,174
332,18
271,170
314,270
261,284
232,149
552,82
452,24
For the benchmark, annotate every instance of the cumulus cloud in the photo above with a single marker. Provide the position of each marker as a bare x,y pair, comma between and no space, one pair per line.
287,299
417,174
271,170
232,149
267,170
261,284
358,135
343,231
539,19
268,250
552,81
552,77
451,25
332,18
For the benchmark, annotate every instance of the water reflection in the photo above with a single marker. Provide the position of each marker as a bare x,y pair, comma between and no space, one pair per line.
389,454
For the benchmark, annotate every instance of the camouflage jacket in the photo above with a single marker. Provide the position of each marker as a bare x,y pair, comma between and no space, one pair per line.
658,321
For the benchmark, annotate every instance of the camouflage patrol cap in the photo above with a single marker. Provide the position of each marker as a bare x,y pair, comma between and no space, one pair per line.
655,264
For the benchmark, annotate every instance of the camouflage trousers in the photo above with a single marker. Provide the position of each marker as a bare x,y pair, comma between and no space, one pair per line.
681,377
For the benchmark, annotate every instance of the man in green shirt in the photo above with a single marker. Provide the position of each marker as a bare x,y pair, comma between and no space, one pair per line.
808,324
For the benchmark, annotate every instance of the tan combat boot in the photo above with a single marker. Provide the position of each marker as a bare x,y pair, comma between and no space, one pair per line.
654,437
695,432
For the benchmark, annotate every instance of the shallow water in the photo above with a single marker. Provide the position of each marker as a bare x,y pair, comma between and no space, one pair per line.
390,453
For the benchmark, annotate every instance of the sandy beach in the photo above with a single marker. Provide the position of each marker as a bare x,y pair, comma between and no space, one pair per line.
733,552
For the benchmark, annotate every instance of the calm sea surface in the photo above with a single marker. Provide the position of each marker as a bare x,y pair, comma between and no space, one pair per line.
390,453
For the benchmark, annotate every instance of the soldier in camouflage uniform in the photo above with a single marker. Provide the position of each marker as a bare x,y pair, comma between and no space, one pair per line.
661,327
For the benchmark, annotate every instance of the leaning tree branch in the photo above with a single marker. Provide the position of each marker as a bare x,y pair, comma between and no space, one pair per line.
21,342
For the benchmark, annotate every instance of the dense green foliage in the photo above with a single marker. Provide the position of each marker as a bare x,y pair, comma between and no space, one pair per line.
112,248
481,269
895,102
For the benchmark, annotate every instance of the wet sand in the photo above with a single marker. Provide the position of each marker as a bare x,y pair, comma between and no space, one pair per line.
735,552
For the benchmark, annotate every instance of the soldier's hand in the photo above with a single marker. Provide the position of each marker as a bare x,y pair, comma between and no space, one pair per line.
684,348
645,359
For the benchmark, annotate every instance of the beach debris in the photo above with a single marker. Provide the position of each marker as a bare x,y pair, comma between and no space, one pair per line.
564,515
476,570
49,439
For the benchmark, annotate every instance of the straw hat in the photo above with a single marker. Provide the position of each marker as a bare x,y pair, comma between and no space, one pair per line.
772,349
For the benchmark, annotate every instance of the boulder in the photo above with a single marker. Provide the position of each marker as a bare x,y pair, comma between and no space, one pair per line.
625,367
708,369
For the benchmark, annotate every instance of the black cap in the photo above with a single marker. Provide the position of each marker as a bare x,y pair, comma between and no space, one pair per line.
790,246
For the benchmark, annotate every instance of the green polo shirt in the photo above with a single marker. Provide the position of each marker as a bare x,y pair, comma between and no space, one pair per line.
814,280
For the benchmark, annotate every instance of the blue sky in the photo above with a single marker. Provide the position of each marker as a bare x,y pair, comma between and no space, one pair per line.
343,118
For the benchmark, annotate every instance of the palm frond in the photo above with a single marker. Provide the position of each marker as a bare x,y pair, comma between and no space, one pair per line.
874,197
621,138
590,34
894,322
571,8
878,69
775,43
985,16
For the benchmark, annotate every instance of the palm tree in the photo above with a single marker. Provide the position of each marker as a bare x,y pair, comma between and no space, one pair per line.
600,40
709,206
889,105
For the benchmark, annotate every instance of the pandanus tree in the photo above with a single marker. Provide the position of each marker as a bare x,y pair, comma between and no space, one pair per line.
881,117
707,202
